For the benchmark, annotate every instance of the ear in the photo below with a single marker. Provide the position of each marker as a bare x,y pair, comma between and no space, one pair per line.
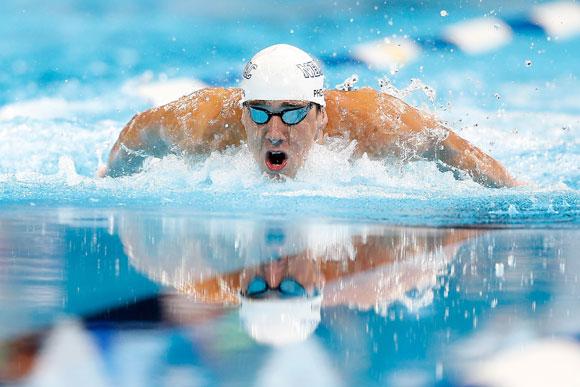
322,121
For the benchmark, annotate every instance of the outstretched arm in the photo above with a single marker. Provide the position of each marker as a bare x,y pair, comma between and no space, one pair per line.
384,125
199,123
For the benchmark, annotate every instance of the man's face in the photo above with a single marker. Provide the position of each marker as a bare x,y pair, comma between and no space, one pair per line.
301,268
279,148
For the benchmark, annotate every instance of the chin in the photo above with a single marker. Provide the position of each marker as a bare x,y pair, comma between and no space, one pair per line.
277,175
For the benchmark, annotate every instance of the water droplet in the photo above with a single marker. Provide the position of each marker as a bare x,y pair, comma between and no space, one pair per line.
443,13
291,31
528,63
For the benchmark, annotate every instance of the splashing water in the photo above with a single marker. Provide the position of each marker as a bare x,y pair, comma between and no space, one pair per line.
387,87
348,83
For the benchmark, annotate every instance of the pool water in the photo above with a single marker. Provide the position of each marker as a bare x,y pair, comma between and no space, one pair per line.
125,297
422,279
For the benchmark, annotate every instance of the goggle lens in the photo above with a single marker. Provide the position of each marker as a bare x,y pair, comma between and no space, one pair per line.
292,117
259,116
289,287
256,286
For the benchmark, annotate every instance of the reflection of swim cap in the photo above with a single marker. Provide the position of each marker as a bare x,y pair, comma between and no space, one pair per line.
280,321
283,72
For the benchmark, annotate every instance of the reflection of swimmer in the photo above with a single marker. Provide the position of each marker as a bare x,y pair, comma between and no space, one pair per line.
385,266
281,284
284,110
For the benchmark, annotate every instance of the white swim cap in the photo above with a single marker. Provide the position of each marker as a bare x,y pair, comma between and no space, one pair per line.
277,322
283,72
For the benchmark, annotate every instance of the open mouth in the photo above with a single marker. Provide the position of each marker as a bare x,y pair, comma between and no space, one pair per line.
276,160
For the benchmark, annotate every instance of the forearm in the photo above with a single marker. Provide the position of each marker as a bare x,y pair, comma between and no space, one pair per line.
457,152
139,139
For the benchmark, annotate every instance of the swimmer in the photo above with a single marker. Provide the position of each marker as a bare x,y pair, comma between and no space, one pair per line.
281,110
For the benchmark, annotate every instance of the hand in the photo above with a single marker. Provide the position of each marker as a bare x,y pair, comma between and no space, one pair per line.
101,171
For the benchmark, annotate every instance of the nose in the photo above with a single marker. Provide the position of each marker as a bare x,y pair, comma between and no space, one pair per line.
276,134
275,273
275,141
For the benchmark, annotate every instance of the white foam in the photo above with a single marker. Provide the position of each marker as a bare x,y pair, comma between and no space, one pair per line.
48,141
47,108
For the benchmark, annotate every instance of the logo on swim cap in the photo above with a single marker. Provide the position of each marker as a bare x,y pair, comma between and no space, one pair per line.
281,73
248,69
310,69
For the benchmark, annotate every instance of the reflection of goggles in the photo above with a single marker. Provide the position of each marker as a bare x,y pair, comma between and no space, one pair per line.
289,116
288,288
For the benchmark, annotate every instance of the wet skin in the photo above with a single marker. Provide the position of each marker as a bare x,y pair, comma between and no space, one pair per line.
290,143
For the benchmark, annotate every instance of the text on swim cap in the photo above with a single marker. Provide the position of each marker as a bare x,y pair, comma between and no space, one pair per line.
318,93
248,69
310,69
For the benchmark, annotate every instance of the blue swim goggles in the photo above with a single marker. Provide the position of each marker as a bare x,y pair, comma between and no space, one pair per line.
289,116
288,288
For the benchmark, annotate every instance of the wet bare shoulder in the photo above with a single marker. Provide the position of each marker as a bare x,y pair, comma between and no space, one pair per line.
206,120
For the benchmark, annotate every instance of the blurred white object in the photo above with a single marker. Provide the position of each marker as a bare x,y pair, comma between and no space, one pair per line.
479,35
280,322
161,91
304,364
49,108
69,357
553,362
387,53
561,19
